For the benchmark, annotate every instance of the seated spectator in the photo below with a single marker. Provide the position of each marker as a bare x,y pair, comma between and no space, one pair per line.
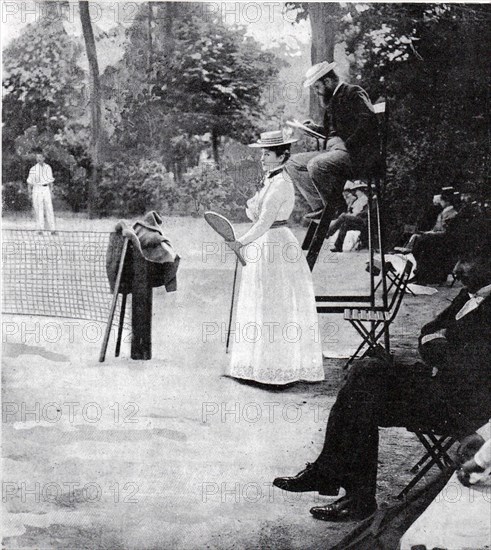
468,208
448,393
355,219
444,218
433,250
427,219
475,461
348,197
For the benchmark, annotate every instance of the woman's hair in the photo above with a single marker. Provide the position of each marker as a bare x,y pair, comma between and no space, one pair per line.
281,150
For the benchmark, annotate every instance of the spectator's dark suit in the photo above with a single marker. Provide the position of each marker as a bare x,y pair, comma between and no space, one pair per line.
456,401
434,252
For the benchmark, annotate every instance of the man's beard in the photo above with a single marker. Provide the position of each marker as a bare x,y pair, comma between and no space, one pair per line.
326,97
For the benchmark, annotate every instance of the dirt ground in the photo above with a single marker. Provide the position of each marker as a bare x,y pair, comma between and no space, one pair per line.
169,453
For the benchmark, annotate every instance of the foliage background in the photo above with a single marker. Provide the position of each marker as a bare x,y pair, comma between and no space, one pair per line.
184,91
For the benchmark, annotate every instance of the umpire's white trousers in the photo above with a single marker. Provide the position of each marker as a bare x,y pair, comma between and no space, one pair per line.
41,200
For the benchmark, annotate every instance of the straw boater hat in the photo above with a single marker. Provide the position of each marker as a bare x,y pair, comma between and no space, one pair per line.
317,71
273,139
358,184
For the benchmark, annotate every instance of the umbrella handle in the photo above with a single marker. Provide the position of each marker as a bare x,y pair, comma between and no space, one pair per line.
232,302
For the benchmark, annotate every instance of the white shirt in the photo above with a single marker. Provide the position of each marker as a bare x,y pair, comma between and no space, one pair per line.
40,174
483,457
336,88
274,202
474,301
359,204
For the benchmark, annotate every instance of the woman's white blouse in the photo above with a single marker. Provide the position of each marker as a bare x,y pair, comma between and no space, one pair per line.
273,202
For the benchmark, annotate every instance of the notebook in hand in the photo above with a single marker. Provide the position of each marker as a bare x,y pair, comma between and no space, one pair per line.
295,124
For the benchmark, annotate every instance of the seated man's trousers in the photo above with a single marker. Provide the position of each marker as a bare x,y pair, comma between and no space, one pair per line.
345,223
376,394
320,176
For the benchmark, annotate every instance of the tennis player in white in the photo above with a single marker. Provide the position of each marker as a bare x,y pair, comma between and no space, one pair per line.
41,179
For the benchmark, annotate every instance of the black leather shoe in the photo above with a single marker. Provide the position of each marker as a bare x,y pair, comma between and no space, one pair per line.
314,215
336,249
345,509
307,480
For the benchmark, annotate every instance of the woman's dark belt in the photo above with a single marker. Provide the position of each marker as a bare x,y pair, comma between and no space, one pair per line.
279,224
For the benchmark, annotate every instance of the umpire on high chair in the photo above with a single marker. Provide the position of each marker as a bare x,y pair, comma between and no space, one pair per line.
448,393
352,146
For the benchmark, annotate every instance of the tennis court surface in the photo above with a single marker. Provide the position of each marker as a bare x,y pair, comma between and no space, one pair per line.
165,453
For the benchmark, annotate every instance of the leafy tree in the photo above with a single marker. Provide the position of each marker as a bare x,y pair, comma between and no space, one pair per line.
42,91
431,61
190,74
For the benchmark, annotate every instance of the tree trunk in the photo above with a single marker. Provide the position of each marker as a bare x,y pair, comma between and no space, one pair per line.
215,142
95,102
150,43
324,21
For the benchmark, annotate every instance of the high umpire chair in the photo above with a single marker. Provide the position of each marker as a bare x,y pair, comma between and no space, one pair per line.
317,231
436,446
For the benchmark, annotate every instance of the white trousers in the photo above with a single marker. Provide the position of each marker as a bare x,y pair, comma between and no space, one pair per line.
41,200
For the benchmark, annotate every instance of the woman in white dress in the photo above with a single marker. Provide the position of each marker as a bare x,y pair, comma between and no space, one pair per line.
276,334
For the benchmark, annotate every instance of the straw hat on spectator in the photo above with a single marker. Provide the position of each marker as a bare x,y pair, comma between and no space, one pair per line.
358,184
317,71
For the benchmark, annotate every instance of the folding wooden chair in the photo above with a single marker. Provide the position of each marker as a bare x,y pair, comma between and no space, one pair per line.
374,322
391,275
436,454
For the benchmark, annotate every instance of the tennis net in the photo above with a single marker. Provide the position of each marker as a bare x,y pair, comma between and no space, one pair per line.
56,275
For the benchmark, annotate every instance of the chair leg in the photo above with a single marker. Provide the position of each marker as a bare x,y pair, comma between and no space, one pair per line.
319,236
436,450
414,481
439,451
366,340
309,235
436,455
353,357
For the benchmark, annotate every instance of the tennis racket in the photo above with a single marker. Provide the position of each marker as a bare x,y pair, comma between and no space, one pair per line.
225,229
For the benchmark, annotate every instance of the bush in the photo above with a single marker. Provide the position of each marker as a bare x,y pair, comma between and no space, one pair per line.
225,189
134,188
16,196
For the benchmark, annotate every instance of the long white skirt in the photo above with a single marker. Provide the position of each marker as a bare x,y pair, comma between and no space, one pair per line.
275,336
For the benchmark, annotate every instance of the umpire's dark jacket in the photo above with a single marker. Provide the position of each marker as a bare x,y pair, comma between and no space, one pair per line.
350,116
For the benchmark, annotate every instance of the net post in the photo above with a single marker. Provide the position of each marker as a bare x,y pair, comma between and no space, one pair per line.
141,316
